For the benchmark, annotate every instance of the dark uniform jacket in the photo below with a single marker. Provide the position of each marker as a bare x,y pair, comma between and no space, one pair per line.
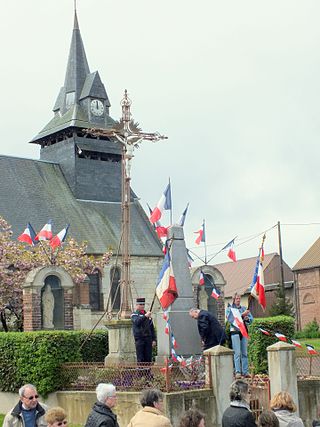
142,326
101,415
237,416
210,330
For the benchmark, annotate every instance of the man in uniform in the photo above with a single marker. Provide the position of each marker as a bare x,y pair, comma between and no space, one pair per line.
143,332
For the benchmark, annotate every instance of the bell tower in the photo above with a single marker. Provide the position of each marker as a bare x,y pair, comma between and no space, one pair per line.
91,165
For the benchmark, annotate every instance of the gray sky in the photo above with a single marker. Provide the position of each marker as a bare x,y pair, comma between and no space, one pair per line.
234,85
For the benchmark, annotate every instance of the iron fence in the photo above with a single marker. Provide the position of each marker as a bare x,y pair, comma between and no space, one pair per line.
260,394
132,377
308,365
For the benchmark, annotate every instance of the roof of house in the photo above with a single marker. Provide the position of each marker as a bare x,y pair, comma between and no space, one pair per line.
311,258
238,275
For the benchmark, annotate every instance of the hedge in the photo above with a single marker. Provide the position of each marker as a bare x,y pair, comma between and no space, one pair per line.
258,342
35,357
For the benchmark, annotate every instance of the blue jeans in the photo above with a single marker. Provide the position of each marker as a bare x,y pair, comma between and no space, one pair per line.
240,358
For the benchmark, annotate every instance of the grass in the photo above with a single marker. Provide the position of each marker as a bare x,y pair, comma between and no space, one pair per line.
1,419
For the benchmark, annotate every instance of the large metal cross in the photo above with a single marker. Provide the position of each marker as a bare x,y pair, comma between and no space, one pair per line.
130,137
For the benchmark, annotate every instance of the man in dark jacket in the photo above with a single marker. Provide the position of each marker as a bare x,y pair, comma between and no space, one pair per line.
143,332
101,414
210,330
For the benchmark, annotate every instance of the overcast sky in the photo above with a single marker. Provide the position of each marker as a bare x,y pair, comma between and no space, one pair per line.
235,85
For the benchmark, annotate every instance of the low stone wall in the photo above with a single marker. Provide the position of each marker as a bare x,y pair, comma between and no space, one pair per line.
79,403
309,398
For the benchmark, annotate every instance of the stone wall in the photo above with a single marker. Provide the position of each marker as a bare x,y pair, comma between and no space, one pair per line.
309,398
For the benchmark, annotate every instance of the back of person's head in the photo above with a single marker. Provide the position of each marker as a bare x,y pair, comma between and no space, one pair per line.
150,396
56,414
268,419
104,390
239,390
283,400
191,418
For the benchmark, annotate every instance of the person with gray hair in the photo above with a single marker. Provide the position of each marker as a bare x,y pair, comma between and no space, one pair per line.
151,413
101,413
28,412
238,414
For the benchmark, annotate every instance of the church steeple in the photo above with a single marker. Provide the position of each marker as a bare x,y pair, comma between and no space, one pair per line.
82,101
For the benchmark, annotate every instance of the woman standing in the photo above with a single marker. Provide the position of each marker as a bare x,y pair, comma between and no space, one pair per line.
238,414
284,407
240,343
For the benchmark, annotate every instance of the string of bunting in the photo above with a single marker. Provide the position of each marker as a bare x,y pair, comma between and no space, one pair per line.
284,338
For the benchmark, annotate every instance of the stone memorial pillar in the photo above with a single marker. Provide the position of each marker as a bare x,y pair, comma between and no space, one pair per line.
282,369
221,362
184,328
121,342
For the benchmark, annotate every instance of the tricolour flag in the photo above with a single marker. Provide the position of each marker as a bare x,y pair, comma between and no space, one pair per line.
264,331
235,318
215,293
281,337
311,349
57,240
257,285
189,258
163,204
182,361
167,328
165,315
201,278
166,289
174,355
231,252
46,232
173,342
202,235
28,236
160,229
296,343
183,216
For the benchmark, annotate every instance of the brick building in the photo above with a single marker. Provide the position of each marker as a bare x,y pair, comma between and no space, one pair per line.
307,282
78,181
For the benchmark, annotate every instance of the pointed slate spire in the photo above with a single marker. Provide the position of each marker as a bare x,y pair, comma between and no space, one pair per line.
77,68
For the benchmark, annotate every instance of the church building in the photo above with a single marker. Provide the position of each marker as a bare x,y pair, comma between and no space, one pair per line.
77,181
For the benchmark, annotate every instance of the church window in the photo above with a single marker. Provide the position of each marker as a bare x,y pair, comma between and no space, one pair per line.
70,99
308,299
95,295
53,282
115,276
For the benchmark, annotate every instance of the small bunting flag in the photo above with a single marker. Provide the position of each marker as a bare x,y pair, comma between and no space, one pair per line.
296,343
215,293
264,331
311,349
281,337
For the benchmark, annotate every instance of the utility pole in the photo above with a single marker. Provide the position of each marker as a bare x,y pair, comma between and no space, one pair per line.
130,138
281,262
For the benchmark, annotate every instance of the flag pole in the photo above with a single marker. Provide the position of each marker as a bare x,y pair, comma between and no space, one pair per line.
171,202
250,297
205,242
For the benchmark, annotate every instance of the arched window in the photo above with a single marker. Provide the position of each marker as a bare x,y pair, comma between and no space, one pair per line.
308,299
95,295
54,283
208,285
115,277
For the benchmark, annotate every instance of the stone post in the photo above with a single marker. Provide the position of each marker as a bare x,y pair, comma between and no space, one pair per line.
121,342
221,362
282,369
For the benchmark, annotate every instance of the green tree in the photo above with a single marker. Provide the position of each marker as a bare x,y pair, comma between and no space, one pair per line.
282,305
17,260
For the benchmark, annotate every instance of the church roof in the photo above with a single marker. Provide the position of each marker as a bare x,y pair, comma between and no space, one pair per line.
35,191
311,258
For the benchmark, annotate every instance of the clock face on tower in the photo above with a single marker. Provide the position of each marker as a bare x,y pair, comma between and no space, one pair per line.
96,107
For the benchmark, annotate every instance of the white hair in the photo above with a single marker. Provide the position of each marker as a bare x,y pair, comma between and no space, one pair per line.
105,390
24,387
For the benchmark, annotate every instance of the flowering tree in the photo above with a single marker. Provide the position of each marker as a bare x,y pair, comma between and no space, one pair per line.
17,260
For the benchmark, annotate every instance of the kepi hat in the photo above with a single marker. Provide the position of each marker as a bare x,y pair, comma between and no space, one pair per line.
141,301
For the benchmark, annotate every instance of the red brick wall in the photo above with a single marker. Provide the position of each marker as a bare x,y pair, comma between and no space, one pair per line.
308,287
31,310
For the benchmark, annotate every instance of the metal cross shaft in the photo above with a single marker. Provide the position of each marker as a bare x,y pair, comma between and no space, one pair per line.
130,137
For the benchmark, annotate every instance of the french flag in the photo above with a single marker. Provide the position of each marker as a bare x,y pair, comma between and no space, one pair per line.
167,328
257,285
173,342
311,349
231,252
264,331
296,343
160,230
28,236
189,258
163,204
165,315
201,278
182,361
234,317
46,232
166,289
215,293
57,240
183,216
174,355
202,235
281,337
